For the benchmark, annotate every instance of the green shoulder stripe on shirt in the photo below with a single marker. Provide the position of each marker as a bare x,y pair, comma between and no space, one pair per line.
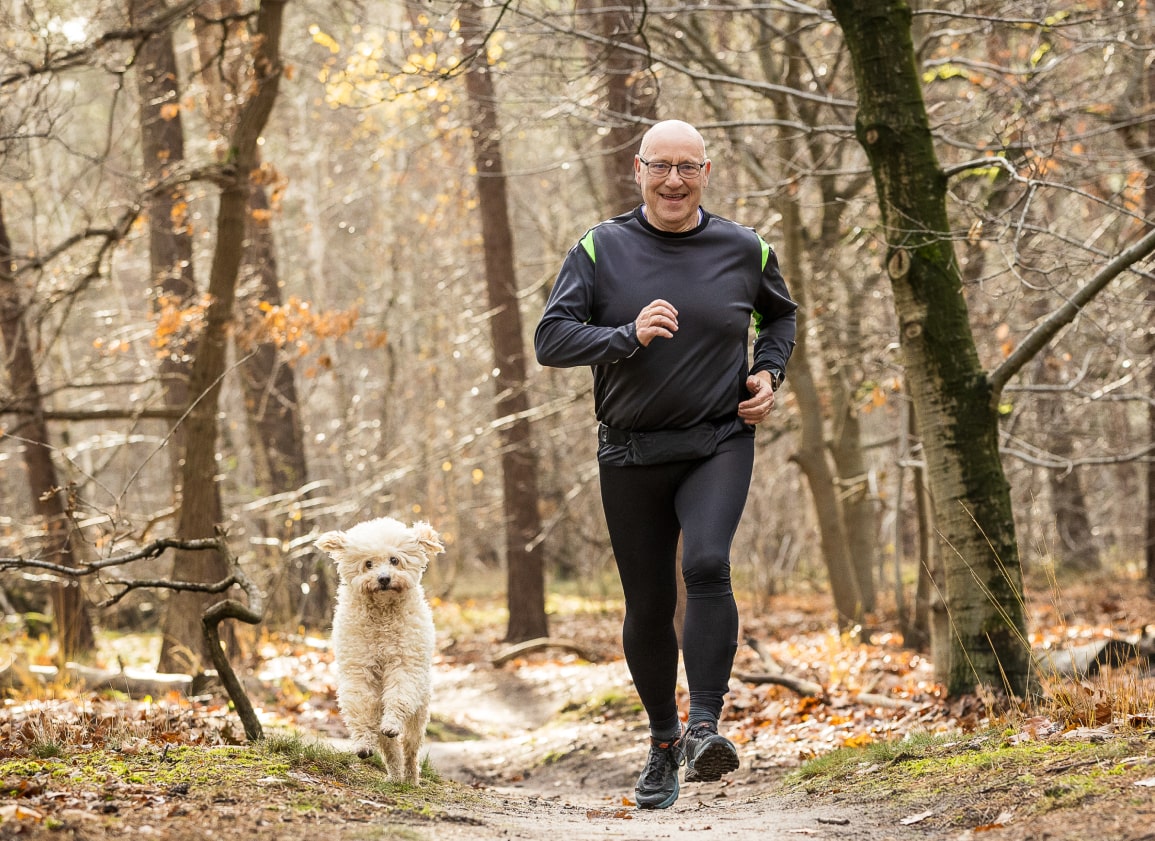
765,259
587,243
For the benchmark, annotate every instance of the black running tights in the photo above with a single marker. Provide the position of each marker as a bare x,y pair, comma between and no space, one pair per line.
646,508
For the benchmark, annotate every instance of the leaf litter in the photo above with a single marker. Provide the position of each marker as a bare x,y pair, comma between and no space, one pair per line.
875,693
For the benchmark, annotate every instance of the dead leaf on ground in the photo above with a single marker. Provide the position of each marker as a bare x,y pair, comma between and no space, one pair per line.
913,819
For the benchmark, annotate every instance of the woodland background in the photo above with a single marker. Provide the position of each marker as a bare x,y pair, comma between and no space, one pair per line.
276,267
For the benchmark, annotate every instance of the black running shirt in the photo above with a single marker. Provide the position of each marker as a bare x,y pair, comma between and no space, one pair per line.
718,276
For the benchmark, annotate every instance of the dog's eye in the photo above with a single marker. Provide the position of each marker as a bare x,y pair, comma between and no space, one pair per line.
395,561
368,565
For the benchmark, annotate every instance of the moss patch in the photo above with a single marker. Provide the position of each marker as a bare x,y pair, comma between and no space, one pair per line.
968,781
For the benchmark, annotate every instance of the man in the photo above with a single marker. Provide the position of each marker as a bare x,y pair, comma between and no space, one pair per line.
659,302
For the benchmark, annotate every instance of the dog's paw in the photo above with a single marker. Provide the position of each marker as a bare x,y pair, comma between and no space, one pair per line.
390,729
363,751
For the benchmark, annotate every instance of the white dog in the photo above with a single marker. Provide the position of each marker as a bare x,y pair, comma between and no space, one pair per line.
383,637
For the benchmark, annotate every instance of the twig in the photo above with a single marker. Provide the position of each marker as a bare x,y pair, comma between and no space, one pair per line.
799,685
767,659
213,616
509,653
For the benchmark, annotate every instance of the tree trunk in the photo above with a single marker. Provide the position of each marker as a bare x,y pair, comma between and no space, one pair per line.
276,431
73,626
172,284
953,398
631,98
916,627
200,512
811,455
1140,140
525,568
853,483
1075,548
300,593
1148,158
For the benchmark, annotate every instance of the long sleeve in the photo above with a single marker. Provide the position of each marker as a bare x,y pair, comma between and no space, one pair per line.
774,319
565,337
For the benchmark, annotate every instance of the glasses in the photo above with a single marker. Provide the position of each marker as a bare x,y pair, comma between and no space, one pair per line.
660,169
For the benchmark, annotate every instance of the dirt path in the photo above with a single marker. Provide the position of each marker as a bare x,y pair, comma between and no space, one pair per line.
552,775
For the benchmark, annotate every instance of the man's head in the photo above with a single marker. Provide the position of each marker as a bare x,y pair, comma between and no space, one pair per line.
672,198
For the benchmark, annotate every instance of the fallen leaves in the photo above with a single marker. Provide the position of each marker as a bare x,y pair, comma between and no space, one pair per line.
616,814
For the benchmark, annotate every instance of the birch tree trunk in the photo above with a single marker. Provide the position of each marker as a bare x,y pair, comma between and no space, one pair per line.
954,401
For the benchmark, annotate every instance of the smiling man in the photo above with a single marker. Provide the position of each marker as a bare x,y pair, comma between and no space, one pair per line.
672,169
659,302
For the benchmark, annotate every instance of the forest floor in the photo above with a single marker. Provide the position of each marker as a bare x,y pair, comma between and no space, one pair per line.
548,744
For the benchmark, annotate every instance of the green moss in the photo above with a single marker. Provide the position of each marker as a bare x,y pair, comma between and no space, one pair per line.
608,705
945,770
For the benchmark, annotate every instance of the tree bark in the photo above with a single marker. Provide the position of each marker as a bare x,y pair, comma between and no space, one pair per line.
811,455
73,626
200,512
525,566
631,98
1075,548
276,431
953,398
849,579
172,282
300,594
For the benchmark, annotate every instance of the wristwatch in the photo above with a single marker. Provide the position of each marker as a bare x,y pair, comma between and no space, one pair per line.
775,378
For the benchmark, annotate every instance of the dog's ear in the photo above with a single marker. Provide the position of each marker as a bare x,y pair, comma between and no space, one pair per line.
427,538
331,542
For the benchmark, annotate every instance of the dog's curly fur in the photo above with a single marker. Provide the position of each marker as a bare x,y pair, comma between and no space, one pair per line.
383,637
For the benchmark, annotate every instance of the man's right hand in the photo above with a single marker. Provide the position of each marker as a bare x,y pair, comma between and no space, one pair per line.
657,318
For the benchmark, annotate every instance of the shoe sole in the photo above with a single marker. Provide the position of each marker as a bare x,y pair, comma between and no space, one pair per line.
716,759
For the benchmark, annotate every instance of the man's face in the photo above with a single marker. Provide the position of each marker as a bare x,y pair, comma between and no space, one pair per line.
672,201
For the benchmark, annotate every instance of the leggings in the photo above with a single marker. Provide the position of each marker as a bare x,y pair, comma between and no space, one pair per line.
646,507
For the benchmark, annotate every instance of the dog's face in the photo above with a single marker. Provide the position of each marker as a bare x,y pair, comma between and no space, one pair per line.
382,555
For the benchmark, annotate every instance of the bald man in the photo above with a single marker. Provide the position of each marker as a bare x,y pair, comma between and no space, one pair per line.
659,303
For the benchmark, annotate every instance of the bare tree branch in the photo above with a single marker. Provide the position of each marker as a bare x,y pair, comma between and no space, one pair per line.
210,620
1047,329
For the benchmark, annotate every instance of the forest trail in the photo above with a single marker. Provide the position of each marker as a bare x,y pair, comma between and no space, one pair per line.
556,773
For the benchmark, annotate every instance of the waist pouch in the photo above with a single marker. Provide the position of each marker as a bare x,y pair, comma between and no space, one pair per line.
625,448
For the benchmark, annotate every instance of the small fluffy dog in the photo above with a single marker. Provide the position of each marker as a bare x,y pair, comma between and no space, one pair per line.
383,637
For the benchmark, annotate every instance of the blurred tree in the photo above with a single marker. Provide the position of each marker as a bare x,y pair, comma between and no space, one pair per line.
524,556
629,91
200,512
299,592
172,283
49,499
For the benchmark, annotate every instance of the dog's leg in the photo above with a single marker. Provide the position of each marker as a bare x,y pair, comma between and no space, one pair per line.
412,739
360,706
403,696
391,753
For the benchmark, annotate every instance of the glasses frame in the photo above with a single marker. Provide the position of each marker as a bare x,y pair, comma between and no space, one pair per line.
687,171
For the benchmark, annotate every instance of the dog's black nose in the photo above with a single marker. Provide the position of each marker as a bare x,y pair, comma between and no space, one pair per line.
383,581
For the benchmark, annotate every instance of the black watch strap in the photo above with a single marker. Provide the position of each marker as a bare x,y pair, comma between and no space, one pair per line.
775,378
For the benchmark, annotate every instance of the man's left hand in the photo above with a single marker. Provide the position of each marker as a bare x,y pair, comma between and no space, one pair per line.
761,402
